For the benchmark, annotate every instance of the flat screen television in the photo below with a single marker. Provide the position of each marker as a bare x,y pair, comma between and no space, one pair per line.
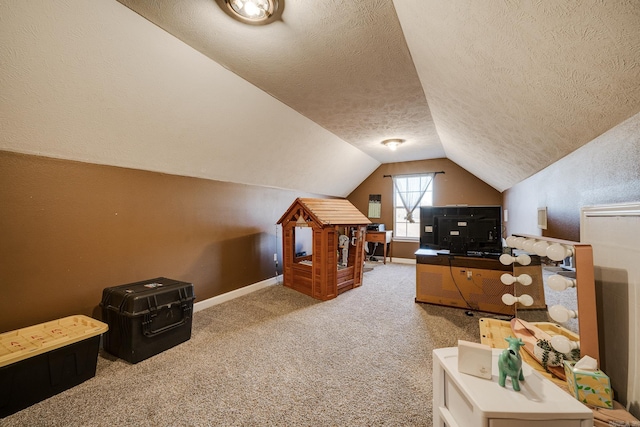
462,230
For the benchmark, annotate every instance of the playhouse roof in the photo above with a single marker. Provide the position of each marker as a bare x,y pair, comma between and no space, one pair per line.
326,212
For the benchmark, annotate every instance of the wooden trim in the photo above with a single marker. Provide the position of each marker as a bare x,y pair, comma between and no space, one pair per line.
586,294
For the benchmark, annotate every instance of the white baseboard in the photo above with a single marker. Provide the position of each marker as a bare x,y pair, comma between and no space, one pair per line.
404,260
219,299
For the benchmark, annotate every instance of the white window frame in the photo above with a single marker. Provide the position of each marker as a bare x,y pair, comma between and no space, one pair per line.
401,225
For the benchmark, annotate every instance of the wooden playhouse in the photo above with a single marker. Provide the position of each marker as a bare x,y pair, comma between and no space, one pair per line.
335,259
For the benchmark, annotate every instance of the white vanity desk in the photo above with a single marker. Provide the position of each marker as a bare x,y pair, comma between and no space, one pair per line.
461,400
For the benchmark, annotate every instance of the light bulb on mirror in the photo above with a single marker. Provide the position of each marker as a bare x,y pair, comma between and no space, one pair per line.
563,344
558,252
562,314
523,299
519,242
522,259
523,279
540,248
511,241
560,283
528,245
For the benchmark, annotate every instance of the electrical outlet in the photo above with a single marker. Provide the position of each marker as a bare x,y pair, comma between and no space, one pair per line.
275,257
469,274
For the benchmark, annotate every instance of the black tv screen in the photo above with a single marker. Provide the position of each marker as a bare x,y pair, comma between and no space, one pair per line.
461,230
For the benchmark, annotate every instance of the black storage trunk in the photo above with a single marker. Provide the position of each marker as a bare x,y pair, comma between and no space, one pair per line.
40,361
146,318
45,375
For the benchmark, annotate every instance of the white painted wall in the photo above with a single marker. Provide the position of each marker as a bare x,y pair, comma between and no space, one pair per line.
93,81
614,233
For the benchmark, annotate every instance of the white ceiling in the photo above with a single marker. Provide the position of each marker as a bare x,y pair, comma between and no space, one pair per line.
97,83
502,88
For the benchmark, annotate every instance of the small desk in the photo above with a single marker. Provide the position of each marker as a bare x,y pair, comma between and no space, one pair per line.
383,237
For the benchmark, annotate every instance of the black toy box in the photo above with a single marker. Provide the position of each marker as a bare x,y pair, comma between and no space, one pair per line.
146,318
43,360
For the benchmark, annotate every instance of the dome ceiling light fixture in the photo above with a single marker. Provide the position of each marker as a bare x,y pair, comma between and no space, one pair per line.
254,12
393,143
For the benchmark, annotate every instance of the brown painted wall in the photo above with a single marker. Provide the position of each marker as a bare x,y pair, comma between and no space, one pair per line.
70,229
455,186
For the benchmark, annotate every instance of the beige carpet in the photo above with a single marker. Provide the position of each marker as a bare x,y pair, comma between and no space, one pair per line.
279,358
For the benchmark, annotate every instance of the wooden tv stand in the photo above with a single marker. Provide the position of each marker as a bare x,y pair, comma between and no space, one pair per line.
473,282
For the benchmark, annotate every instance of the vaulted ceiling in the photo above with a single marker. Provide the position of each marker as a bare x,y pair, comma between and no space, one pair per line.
503,88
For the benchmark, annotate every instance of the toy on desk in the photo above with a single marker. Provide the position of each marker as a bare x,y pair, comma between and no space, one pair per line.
343,243
510,363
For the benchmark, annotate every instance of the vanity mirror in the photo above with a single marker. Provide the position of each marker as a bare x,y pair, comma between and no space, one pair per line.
569,288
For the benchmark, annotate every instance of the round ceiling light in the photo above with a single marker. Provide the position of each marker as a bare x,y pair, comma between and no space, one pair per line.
392,143
256,12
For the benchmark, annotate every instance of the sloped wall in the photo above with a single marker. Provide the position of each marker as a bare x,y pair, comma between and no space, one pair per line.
95,82
604,172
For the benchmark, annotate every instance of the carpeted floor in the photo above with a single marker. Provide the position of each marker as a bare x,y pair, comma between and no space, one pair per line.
279,358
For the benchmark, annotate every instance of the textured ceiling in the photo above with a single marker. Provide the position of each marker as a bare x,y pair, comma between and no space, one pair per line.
511,86
345,65
514,86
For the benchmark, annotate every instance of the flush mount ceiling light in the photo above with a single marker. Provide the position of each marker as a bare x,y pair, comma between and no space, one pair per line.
392,143
254,12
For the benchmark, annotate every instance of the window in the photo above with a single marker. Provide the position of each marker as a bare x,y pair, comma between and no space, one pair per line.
409,193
